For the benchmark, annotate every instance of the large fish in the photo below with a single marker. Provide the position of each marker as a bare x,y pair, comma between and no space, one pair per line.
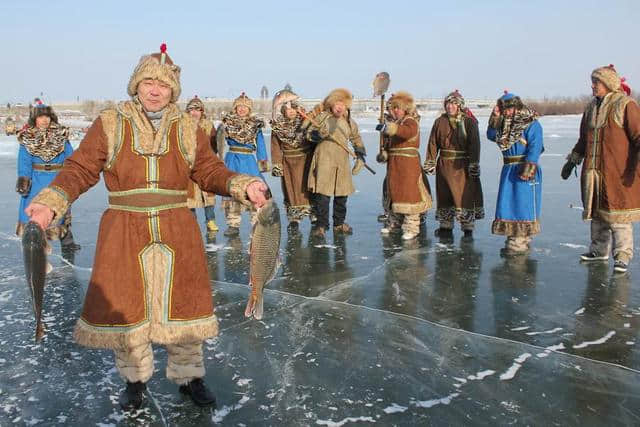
381,83
36,267
264,256
281,97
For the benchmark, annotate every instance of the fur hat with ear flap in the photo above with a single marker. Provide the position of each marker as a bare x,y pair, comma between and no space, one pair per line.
157,66
508,100
42,110
608,76
338,95
242,100
402,100
195,103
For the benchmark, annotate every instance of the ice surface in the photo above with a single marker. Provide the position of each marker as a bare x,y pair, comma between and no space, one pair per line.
357,329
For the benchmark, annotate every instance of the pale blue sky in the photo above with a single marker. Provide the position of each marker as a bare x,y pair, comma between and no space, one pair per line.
538,48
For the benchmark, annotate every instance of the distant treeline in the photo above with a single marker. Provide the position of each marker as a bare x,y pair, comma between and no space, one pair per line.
561,105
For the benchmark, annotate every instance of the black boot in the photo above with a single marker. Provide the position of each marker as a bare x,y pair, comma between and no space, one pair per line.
199,392
132,397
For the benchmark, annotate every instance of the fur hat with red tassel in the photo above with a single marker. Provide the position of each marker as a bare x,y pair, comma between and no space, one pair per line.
624,86
608,76
157,66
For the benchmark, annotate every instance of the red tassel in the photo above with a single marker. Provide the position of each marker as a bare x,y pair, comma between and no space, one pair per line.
506,91
163,48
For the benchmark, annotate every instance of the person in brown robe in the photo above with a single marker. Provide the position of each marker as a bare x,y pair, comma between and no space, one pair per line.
291,156
609,150
149,282
196,198
453,155
407,195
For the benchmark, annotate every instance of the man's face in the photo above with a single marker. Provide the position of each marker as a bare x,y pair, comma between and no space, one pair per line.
509,112
196,114
338,109
43,122
242,110
154,94
452,108
598,88
398,113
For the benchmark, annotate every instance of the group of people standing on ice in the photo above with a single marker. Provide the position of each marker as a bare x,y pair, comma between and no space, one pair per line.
150,283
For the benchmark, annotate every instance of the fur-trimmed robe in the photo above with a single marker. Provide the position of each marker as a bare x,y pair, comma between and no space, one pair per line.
150,279
197,198
406,188
609,143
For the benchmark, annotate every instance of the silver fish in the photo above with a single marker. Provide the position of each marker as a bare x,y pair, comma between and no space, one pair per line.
381,83
264,256
281,97
34,251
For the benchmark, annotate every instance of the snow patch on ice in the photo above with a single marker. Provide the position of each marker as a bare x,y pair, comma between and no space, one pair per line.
551,331
219,414
394,408
573,246
433,402
596,342
345,421
481,375
580,311
521,328
325,246
213,247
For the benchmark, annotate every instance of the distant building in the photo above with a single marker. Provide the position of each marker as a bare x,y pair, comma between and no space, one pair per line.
264,92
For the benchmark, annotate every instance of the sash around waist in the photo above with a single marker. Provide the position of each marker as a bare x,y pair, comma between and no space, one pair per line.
404,152
47,166
241,150
453,154
512,160
146,200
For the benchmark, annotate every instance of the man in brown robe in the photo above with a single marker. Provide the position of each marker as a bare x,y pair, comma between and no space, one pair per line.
453,155
408,196
149,282
609,146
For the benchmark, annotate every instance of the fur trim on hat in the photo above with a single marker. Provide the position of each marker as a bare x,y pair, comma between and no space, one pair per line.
338,95
150,67
608,76
242,100
195,104
509,100
42,110
402,100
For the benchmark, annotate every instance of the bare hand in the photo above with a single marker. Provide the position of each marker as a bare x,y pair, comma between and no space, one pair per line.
40,214
257,193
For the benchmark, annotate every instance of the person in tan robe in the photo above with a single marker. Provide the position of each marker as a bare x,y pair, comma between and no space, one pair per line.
196,198
453,155
149,282
408,196
291,156
330,173
609,150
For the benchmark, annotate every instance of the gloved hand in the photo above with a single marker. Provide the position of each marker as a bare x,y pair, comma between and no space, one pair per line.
357,167
567,169
360,151
23,185
380,127
474,170
315,137
277,171
382,156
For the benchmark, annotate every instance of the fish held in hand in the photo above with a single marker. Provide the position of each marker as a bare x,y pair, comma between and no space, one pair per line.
264,256
36,267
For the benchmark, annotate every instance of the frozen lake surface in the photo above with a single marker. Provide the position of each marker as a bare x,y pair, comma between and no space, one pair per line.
361,329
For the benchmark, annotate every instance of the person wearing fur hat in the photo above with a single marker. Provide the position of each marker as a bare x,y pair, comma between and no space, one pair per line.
197,198
44,146
407,195
515,129
330,175
609,150
247,154
149,282
453,155
291,155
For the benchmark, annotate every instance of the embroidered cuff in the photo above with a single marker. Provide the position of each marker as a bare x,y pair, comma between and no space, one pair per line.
528,171
237,186
429,167
55,199
263,165
391,128
474,170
